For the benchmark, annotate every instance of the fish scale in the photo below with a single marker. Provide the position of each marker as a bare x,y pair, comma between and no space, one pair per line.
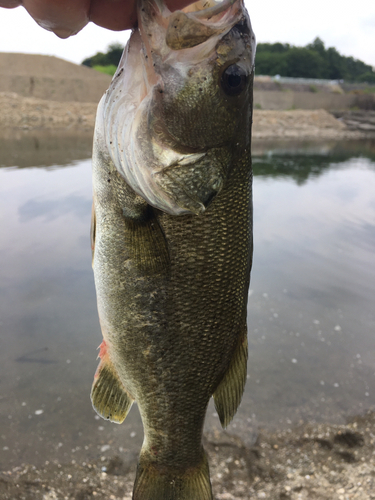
172,237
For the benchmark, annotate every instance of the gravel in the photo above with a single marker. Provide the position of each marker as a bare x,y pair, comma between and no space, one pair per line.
307,462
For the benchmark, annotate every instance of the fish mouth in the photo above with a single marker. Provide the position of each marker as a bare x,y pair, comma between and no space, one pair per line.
191,25
172,173
197,23
162,30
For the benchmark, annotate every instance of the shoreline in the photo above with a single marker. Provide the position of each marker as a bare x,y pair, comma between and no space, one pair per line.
32,114
307,461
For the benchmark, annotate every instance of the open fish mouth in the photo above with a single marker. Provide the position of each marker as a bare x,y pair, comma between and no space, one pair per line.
157,116
188,27
166,35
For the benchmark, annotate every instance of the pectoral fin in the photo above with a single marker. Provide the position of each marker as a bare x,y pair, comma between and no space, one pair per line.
228,395
147,244
108,396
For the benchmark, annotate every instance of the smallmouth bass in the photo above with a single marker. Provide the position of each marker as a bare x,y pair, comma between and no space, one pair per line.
172,235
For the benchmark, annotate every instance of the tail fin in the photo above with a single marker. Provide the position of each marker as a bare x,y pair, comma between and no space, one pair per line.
155,482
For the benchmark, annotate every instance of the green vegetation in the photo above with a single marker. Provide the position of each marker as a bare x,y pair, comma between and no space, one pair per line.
111,57
312,61
368,77
108,70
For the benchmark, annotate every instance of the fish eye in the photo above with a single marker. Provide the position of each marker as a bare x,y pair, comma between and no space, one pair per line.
233,80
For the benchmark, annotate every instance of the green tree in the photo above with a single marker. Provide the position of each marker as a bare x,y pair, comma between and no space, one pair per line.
317,45
312,61
273,47
111,57
336,65
302,62
270,63
368,77
355,68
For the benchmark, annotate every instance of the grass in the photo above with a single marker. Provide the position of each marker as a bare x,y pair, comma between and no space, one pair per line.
108,70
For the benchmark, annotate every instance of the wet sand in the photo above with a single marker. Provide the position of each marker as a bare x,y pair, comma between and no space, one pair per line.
320,462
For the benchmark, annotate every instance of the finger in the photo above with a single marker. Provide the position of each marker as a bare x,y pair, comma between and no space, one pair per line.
120,15
63,17
10,4
177,4
114,15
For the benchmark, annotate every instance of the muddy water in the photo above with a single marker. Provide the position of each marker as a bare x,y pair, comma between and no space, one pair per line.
311,305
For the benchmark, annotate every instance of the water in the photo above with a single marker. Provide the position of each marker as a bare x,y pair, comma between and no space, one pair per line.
311,305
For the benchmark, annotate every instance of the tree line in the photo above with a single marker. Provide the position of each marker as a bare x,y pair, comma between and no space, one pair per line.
312,61
106,62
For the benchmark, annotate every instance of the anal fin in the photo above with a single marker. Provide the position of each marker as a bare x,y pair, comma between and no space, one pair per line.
108,396
228,394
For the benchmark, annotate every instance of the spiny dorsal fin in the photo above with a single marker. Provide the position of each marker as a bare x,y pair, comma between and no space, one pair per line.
228,395
108,396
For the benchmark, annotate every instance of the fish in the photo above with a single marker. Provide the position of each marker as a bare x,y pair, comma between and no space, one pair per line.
171,235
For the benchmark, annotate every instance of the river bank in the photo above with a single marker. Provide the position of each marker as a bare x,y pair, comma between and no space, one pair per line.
307,461
29,113
314,462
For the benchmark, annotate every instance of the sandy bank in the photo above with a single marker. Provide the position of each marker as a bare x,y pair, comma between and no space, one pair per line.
28,113
309,462
50,78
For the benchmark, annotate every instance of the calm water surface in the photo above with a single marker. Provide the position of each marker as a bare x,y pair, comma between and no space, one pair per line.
311,305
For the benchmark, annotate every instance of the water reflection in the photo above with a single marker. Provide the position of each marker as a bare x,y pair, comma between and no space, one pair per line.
337,150
311,313
311,318
23,149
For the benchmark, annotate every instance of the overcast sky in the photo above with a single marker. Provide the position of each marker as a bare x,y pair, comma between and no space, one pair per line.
348,26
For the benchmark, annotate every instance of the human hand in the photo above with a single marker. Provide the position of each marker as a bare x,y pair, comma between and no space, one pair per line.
68,17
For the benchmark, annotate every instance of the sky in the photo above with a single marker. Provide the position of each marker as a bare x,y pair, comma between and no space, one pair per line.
346,25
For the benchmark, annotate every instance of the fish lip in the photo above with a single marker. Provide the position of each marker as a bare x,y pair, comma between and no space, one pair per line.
213,11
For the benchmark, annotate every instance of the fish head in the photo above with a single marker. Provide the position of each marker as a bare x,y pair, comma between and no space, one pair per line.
180,104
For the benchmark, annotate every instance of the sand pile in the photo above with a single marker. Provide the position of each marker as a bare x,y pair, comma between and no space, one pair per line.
48,77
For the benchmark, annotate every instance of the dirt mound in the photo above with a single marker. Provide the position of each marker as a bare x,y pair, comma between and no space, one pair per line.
50,78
